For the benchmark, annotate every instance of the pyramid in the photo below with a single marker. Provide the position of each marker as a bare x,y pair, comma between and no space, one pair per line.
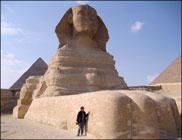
38,68
172,74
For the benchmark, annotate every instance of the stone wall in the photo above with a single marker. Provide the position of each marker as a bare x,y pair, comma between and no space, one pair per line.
170,88
147,88
8,99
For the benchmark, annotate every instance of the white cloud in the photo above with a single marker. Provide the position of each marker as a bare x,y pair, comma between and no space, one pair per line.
15,33
150,78
10,55
137,26
8,28
11,69
82,2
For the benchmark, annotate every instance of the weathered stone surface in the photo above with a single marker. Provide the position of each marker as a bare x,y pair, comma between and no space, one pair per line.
8,100
113,113
172,90
81,63
25,98
178,102
19,111
167,114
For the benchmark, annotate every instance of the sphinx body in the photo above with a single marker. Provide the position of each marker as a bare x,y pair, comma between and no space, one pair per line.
114,114
81,63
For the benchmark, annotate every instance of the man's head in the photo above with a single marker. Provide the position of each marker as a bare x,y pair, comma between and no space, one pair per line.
82,108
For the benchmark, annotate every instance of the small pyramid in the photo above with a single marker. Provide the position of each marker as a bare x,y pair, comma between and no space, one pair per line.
38,68
172,74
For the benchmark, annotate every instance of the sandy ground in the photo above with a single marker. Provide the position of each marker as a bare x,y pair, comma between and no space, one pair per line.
12,128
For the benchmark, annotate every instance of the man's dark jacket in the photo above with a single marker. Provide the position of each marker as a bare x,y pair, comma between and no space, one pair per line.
79,116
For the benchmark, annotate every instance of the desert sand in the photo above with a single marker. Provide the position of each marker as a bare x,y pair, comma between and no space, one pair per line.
12,128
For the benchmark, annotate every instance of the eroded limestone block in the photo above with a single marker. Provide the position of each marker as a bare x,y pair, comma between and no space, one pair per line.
167,115
144,118
61,112
113,113
25,97
178,101
19,111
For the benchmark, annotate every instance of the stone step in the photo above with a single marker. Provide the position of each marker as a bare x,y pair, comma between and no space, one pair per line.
6,94
79,64
83,53
82,60
8,98
69,90
5,102
78,75
80,81
85,70
87,55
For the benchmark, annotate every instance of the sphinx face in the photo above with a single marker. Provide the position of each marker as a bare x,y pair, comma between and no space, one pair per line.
85,20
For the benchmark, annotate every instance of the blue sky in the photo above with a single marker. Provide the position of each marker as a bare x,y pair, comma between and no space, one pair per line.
145,37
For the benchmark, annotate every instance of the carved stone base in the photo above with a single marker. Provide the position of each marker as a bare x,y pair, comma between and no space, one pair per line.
114,114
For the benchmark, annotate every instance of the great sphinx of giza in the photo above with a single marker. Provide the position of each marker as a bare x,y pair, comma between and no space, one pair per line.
84,73
81,63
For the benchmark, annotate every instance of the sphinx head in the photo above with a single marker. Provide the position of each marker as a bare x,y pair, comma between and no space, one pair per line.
82,20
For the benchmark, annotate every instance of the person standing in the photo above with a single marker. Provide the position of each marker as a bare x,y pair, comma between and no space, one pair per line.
81,120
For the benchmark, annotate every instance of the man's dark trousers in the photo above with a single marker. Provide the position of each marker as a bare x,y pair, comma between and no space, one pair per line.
81,127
